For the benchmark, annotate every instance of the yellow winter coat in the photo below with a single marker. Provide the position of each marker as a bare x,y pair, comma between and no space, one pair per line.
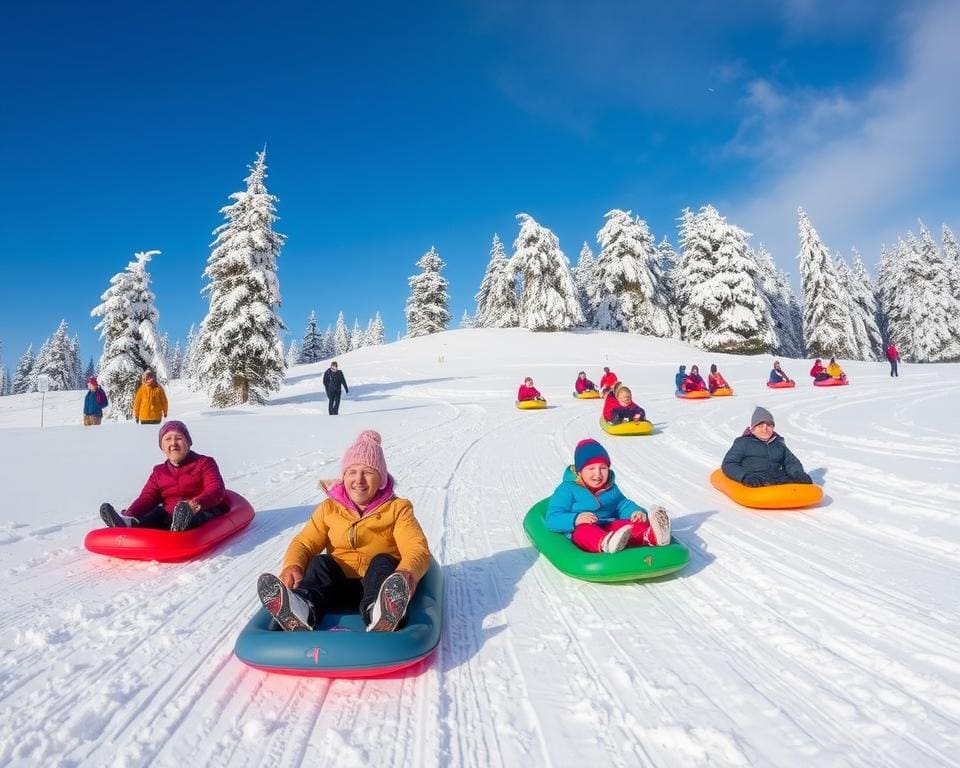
354,541
150,403
834,370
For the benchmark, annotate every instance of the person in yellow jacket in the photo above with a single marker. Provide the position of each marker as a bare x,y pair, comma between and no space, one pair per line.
150,402
834,369
362,548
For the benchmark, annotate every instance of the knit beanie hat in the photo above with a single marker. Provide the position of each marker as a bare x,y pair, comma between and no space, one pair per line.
93,380
175,426
366,450
759,415
589,452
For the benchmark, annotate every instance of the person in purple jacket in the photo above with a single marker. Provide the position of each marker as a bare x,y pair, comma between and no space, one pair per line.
182,493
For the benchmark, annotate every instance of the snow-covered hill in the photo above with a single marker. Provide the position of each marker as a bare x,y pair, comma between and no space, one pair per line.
826,637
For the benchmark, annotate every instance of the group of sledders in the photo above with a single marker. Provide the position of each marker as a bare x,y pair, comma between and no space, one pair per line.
693,381
377,550
832,370
618,406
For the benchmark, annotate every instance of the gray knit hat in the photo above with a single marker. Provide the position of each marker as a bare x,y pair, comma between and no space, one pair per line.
759,415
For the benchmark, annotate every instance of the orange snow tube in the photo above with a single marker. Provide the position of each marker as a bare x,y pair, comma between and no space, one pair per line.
785,496
722,392
696,394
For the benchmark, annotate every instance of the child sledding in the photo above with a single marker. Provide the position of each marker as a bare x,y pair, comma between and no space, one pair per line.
584,389
529,397
690,386
621,415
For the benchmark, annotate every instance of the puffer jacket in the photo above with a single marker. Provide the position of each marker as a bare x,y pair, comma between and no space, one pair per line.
693,383
150,403
609,403
626,412
582,385
715,381
608,380
778,376
387,526
681,375
197,478
835,371
572,497
94,402
760,463
528,393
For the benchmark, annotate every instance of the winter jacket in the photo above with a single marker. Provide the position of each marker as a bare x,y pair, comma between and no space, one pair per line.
818,370
197,478
754,462
528,393
94,402
608,380
572,497
150,403
681,375
625,413
609,403
777,376
835,371
693,383
333,380
893,353
715,381
387,527
582,385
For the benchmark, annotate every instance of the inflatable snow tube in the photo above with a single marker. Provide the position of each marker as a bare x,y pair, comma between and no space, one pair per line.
722,392
631,564
786,496
341,647
169,546
531,405
831,383
587,394
626,427
697,394
782,385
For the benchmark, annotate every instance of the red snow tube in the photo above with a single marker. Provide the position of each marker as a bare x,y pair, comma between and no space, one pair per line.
831,383
782,385
167,546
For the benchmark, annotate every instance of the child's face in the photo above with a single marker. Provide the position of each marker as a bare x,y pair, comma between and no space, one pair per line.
763,430
528,382
362,483
624,398
595,475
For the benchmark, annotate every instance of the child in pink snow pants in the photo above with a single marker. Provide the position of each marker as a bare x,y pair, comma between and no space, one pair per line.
591,510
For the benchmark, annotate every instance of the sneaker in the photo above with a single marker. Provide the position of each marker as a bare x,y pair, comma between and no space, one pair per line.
288,609
616,540
391,604
182,514
111,518
659,526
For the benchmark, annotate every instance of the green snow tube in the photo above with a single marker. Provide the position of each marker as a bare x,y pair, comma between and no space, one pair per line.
630,564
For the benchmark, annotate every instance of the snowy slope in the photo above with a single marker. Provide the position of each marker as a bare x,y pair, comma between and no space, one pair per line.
826,637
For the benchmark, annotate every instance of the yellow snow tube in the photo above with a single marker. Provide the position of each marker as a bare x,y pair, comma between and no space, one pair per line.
531,405
626,427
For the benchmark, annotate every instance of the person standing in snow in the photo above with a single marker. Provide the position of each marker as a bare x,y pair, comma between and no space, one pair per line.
760,456
184,492
589,509
362,549
893,355
93,403
150,402
333,380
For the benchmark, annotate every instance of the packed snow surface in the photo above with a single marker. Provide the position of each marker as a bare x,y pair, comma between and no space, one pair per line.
825,637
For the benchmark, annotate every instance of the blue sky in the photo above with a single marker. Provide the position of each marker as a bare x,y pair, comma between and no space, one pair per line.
392,127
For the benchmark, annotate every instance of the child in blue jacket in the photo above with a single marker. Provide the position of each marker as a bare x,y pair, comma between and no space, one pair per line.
590,509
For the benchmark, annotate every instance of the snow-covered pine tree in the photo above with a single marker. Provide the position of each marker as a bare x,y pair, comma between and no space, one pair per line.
356,335
341,337
329,344
311,350
466,320
23,375
4,380
864,297
242,356
128,318
496,266
858,327
827,329
631,293
294,353
585,281
188,366
175,360
58,360
786,320
427,307
951,257
548,296
717,280
375,332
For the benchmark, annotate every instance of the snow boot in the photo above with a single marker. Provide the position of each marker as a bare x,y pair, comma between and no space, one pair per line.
182,514
615,540
113,519
659,526
391,604
288,609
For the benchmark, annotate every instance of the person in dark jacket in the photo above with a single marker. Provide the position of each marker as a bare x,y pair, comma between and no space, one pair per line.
678,379
777,374
761,457
94,403
184,492
332,382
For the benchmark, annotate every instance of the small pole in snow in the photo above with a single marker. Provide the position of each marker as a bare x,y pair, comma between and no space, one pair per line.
43,384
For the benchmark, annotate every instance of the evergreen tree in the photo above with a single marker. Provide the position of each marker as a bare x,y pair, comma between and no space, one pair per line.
951,257
329,345
91,370
356,336
717,278
188,367
858,330
466,320
175,360
4,380
426,309
826,317
241,354
497,298
864,296
341,338
127,327
786,320
585,280
311,350
23,376
631,292
58,361
548,297
294,354
375,332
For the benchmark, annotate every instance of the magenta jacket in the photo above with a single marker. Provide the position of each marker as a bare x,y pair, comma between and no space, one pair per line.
196,479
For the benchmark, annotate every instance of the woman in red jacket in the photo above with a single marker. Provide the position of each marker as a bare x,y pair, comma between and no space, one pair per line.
183,492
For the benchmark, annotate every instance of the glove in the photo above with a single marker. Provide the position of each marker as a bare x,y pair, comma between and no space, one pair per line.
753,480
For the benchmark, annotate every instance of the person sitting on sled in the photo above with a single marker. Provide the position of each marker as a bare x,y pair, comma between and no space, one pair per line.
694,381
362,549
607,381
818,372
592,511
182,493
760,456
610,401
583,384
834,371
715,380
625,409
528,392
777,374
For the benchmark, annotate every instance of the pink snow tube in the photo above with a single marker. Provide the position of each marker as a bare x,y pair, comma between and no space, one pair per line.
831,383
